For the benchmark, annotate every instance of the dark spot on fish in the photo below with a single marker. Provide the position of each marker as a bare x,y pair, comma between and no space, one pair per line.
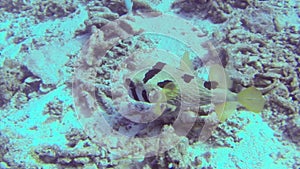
132,88
187,78
198,62
224,56
155,69
171,86
163,84
145,97
210,84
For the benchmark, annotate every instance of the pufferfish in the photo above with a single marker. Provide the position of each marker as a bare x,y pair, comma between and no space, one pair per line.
162,83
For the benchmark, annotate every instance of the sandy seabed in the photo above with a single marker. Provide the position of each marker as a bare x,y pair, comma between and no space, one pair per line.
43,44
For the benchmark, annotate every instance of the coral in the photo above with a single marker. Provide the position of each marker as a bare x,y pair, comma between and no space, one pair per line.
17,84
258,20
101,13
55,110
76,157
268,60
14,6
42,10
3,145
48,154
10,81
50,9
96,71
74,136
283,99
255,15
119,6
226,134
176,157
216,11
215,133
292,131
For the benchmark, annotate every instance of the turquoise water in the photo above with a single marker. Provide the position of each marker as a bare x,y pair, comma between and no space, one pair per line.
149,84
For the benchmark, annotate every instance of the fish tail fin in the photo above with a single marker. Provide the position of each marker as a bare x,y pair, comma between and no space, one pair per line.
251,99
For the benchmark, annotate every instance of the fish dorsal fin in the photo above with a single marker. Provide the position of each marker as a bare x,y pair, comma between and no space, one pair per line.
218,74
186,63
252,99
153,71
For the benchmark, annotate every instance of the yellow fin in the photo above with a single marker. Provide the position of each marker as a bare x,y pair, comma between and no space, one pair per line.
185,62
158,110
170,91
218,74
252,99
225,110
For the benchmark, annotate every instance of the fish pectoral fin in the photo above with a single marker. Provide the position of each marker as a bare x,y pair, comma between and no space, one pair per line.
225,110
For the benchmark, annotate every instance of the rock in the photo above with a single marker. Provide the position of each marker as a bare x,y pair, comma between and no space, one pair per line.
64,161
47,63
278,24
48,154
258,20
3,165
216,11
74,136
82,160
